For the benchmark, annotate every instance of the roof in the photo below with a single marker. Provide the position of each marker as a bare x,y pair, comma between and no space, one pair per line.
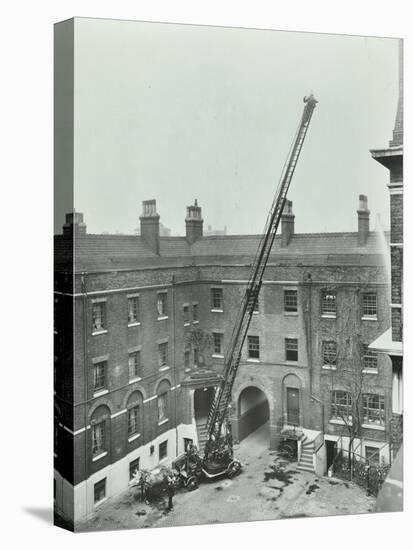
109,252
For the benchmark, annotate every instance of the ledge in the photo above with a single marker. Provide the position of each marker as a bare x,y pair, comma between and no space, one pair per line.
251,360
98,457
195,322
164,421
163,317
135,380
217,310
133,437
217,356
328,316
370,371
339,422
373,427
291,313
97,332
165,367
101,392
134,324
329,367
369,318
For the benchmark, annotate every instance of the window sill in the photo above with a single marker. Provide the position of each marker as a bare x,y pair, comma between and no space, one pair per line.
135,380
251,360
187,324
195,322
97,332
134,324
329,367
291,362
328,316
255,312
165,367
162,317
188,370
217,310
98,457
373,427
133,437
370,371
291,313
100,501
100,392
163,460
164,421
369,318
217,356
340,422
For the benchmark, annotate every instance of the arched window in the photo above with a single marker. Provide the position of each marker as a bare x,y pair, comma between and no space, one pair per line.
134,414
100,428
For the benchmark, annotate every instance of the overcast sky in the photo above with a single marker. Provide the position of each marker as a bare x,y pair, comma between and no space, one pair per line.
176,112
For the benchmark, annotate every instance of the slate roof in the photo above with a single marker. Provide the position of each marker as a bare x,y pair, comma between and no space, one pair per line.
109,252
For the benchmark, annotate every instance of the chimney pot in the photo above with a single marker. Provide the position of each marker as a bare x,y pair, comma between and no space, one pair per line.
150,225
363,214
74,224
287,223
193,222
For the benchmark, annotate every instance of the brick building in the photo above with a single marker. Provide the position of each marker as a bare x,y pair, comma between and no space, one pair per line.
141,328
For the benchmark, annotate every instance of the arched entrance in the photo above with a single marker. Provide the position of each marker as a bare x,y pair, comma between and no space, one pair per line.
253,411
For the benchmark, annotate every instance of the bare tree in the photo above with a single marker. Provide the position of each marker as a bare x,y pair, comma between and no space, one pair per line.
200,342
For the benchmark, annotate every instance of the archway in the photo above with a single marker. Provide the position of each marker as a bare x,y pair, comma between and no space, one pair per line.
253,412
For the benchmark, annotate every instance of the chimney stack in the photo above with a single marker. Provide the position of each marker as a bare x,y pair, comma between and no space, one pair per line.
74,224
363,220
287,223
150,225
193,223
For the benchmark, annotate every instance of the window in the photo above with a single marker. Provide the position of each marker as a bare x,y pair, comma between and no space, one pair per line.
196,357
187,358
163,354
290,301
162,304
134,365
341,405
373,409
133,310
257,306
133,467
187,442
186,314
163,450
329,353
217,342
99,376
291,349
369,358
98,316
253,347
372,455
133,420
98,438
195,313
100,490
217,299
369,304
162,407
328,303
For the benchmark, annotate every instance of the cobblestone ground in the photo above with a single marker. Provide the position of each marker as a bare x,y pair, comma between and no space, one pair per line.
267,488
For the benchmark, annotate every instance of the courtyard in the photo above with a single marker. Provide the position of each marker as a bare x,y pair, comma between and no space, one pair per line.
268,488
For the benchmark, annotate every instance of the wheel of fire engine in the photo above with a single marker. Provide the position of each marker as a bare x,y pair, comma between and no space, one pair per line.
233,469
192,483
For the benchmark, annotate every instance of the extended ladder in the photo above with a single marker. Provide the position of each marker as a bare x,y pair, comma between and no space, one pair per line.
219,410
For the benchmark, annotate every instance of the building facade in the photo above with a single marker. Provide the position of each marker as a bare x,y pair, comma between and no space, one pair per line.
142,324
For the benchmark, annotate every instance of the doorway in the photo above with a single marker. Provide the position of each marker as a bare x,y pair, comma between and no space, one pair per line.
331,452
293,406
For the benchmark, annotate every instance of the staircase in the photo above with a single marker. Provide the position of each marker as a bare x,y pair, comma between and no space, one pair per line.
201,429
306,459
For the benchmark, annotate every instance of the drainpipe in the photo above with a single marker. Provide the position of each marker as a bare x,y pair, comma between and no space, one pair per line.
309,313
83,279
174,362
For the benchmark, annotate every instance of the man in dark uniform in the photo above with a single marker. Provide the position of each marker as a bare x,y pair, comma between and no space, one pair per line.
171,491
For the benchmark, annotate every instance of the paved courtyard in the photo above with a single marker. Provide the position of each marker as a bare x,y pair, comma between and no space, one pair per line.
267,488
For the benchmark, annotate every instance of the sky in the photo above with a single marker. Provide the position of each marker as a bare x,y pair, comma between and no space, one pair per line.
178,112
